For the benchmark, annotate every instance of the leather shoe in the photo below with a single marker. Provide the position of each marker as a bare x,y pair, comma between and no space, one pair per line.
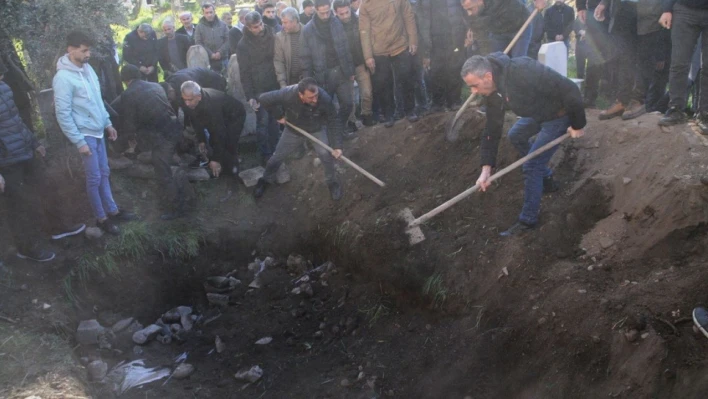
550,185
108,226
617,109
635,109
517,228
260,188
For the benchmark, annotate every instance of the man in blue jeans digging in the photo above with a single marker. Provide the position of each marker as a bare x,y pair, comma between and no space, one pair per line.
549,105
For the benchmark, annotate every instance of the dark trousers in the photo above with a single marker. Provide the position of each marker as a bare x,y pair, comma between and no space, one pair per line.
342,87
290,142
597,40
687,26
27,212
625,42
386,66
267,132
445,65
420,89
654,53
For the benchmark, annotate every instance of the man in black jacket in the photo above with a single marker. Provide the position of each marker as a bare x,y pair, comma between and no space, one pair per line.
204,77
172,49
188,27
146,115
597,40
308,11
255,58
310,108
140,49
549,105
222,117
558,22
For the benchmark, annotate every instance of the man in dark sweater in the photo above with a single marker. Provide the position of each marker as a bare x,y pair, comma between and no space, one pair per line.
549,105
140,49
558,22
327,58
688,20
222,116
310,108
270,18
308,11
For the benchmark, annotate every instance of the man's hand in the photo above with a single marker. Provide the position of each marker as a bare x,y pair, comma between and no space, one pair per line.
143,70
413,49
215,168
150,70
483,181
660,66
559,38
583,15
202,148
337,153
85,150
582,33
539,4
599,12
112,133
469,38
2,184
254,104
576,133
41,151
281,120
426,64
665,20
371,64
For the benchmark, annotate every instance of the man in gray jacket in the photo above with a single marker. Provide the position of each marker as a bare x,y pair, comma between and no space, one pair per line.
213,35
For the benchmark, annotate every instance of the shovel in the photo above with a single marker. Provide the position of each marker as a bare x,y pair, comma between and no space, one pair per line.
415,234
452,131
343,158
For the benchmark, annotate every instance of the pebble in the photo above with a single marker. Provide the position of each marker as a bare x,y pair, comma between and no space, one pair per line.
146,334
319,334
122,324
590,268
138,350
46,306
323,325
345,383
316,162
645,335
606,242
264,341
626,180
93,232
582,291
220,345
596,339
184,370
97,370
360,376
542,321
631,335
251,375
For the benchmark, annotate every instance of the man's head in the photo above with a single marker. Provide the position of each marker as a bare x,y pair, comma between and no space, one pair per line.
78,45
308,7
168,28
242,15
323,8
279,7
473,7
191,94
144,31
209,11
291,20
269,11
343,11
477,74
227,18
355,5
186,19
308,91
129,73
254,23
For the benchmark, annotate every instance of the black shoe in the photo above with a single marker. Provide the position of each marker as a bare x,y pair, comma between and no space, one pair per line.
350,127
382,118
335,190
70,231
199,163
108,226
412,117
389,123
123,216
368,120
517,228
550,185
260,188
702,122
673,116
347,136
37,255
700,320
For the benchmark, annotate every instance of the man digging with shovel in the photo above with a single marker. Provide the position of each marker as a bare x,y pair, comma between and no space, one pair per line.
549,105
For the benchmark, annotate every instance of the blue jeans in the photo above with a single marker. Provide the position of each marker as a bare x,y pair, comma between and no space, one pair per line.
98,185
535,170
498,42
267,132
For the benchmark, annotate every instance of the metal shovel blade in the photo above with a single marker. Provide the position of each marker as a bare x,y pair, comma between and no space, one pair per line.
415,234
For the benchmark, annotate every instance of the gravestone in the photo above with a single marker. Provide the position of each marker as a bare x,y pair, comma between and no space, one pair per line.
555,56
197,57
235,89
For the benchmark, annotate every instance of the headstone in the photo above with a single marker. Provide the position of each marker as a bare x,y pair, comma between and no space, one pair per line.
235,89
197,57
555,56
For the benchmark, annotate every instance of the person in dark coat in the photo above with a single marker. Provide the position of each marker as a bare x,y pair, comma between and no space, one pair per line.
255,57
235,36
188,28
172,49
537,33
222,117
309,107
104,63
597,40
270,18
558,22
147,117
308,11
549,106
204,77
140,49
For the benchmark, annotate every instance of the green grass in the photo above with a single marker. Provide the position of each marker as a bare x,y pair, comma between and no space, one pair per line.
377,311
434,288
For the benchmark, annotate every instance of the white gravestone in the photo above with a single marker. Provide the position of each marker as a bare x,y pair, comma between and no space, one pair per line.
197,57
555,56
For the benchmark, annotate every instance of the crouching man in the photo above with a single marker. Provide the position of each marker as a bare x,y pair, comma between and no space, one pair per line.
310,108
548,103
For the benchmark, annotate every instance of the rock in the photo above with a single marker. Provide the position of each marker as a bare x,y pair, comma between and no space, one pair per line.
219,344
119,163
122,324
282,176
626,180
145,157
345,383
645,335
360,376
582,291
316,162
256,283
46,306
171,316
93,232
264,341
250,176
590,268
296,291
218,299
146,334
164,339
182,371
138,350
323,325
97,370
307,290
186,322
631,335
318,334
88,332
297,264
606,242
542,321
200,174
251,375
596,339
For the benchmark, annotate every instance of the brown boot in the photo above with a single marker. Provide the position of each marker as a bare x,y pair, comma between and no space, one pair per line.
634,109
617,109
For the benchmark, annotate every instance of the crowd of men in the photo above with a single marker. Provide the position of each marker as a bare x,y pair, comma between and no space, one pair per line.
332,63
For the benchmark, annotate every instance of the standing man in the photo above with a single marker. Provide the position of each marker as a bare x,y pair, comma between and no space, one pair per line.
228,19
688,21
172,49
597,41
326,57
549,105
140,49
350,21
83,119
308,107
308,11
147,116
255,56
213,35
287,60
389,39
188,27
558,23
270,19
222,116
236,33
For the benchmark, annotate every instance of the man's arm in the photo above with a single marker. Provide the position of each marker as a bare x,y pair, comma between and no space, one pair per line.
164,55
365,32
129,115
409,21
63,98
245,70
306,54
668,5
224,49
491,135
129,53
279,60
569,19
275,101
199,40
424,21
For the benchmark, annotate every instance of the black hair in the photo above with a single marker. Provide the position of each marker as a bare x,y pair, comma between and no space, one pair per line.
320,3
340,4
129,72
307,3
307,84
78,38
252,18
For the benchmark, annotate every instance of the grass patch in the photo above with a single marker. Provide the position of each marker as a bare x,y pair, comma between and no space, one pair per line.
345,236
434,288
377,311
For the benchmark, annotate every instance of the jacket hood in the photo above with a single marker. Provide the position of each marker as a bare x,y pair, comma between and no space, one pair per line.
64,63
